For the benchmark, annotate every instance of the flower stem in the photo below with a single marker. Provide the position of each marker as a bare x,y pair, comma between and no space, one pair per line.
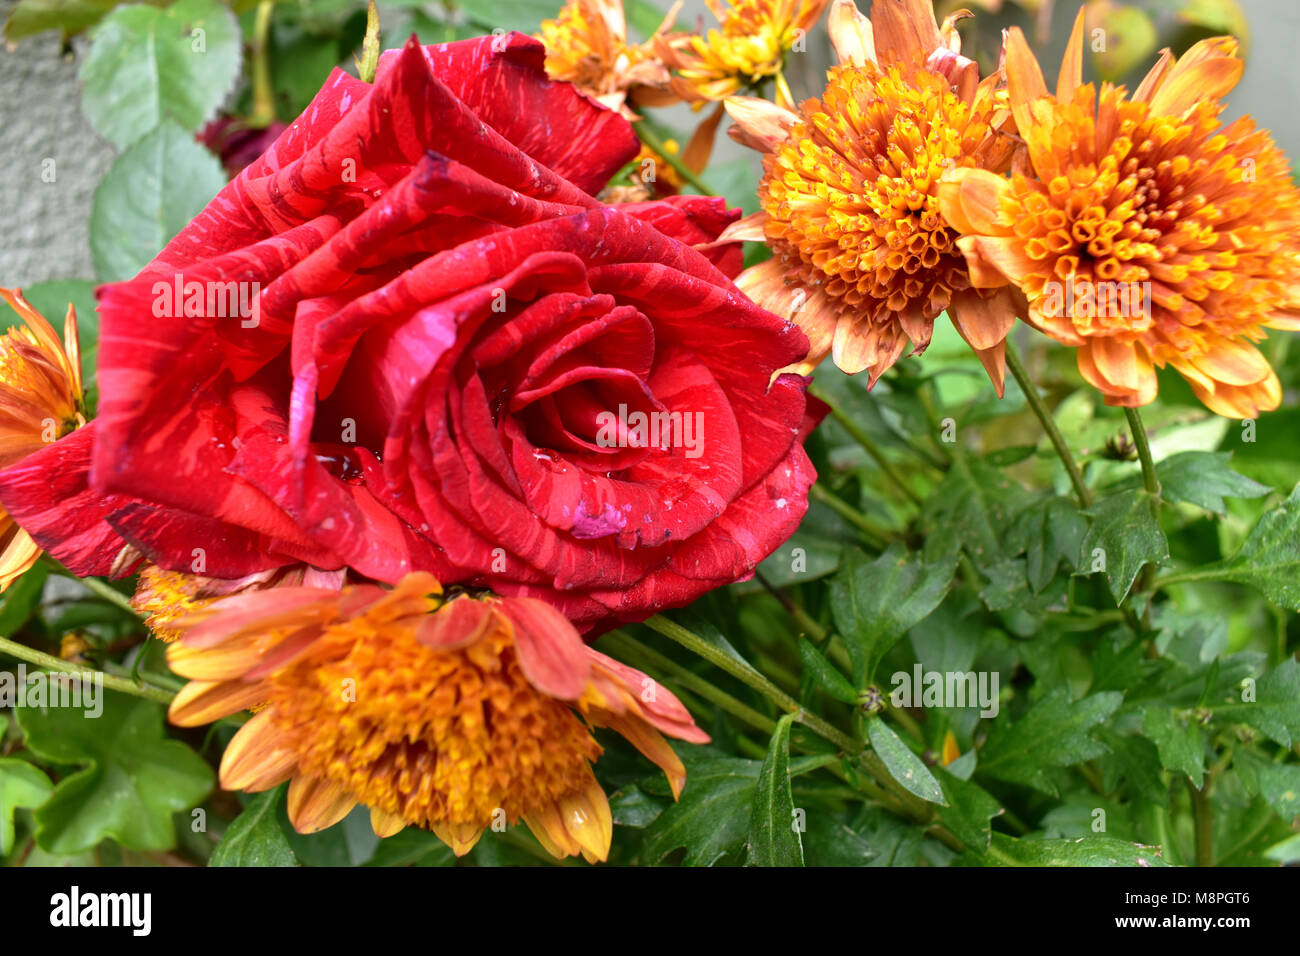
859,435
1054,435
751,678
1149,479
263,111
1203,817
51,663
875,535
651,139
100,588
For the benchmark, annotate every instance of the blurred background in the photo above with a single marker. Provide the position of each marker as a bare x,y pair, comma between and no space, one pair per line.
44,226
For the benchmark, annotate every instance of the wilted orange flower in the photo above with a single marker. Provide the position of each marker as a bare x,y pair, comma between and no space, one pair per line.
862,259
452,715
40,402
749,49
1145,233
587,46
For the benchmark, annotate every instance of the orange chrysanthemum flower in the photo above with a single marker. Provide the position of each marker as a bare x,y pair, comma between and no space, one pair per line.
587,46
40,402
862,259
1145,234
749,49
452,715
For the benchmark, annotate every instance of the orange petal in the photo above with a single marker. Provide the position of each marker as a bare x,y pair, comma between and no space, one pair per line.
587,818
1071,76
904,28
652,745
970,199
202,702
1155,76
1209,70
316,803
1233,362
759,124
994,260
458,623
253,761
550,650
386,824
748,229
19,554
700,148
461,837
1240,401
1025,81
950,749
547,825
851,34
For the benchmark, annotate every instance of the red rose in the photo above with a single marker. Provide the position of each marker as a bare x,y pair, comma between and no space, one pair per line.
408,337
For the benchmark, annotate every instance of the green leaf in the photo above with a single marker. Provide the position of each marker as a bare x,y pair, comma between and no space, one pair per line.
1180,745
643,17
351,842
1136,760
968,510
1054,732
825,674
875,602
1203,478
903,765
1278,783
132,778
1275,711
22,599
1049,533
1088,851
1127,535
969,809
254,838
1269,558
773,838
149,195
712,817
412,846
21,785
522,15
148,64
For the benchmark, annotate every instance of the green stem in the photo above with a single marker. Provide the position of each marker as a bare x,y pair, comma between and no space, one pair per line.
651,139
52,663
801,617
1054,435
1203,815
859,435
99,588
263,111
1149,479
750,678
874,534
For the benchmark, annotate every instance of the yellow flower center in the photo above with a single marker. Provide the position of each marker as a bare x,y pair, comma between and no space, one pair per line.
357,709
851,196
163,597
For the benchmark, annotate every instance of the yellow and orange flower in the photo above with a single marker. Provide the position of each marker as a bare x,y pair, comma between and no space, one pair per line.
1144,234
40,402
587,46
748,50
454,715
862,259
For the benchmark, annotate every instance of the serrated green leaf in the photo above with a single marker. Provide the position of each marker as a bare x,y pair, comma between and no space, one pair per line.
132,778
1203,478
254,838
875,602
969,509
1054,732
773,837
1127,535
1275,711
148,64
1278,783
149,195
1006,584
1136,760
1180,743
825,674
21,785
1049,533
1269,558
903,765
711,819
633,807
1087,851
